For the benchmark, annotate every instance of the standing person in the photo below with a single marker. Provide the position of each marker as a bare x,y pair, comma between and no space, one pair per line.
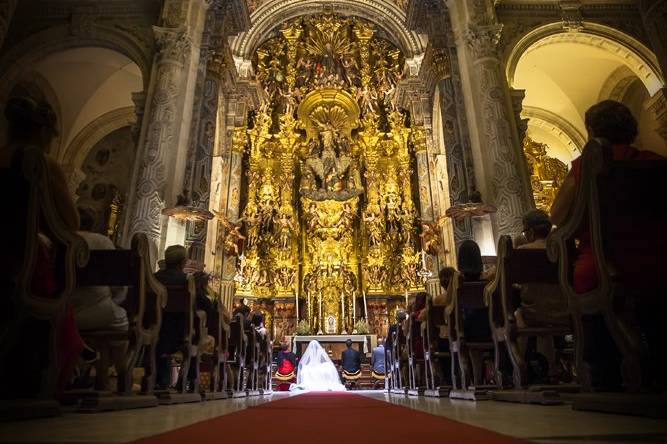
286,370
351,363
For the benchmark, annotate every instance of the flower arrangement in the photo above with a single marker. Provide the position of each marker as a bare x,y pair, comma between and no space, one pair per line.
361,327
303,328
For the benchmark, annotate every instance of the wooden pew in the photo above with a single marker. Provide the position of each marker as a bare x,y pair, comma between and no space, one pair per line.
516,268
28,388
611,196
181,303
252,361
265,364
143,304
412,335
430,330
399,363
237,356
467,352
219,376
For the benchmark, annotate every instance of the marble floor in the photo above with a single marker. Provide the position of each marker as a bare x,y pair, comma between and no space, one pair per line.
547,425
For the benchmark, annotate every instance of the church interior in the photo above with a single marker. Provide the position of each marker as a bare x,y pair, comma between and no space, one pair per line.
368,220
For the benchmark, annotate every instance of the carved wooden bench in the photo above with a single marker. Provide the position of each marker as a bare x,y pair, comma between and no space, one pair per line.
28,387
612,196
144,302
467,352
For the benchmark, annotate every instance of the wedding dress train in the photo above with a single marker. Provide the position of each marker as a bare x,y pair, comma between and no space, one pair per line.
316,371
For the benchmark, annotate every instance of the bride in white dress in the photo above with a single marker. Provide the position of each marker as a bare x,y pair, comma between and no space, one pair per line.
316,371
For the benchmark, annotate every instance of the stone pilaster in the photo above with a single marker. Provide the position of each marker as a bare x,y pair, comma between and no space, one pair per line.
505,182
165,128
657,105
518,95
654,15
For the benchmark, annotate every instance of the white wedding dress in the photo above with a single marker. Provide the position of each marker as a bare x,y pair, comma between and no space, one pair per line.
316,371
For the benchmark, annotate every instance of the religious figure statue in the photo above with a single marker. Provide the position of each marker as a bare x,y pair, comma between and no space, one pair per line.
251,221
407,217
313,220
232,234
373,225
347,217
285,227
328,166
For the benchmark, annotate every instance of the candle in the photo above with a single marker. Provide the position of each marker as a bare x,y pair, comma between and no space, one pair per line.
310,307
319,320
406,299
296,305
423,260
365,306
342,310
354,307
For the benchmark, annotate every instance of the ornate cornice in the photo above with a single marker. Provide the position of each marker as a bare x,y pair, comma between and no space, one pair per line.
386,15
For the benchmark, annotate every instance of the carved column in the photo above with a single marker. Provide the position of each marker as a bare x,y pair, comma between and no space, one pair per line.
162,149
7,8
657,105
506,182
654,14
518,95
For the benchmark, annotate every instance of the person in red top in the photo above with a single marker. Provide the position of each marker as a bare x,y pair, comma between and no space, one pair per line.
614,122
286,371
635,242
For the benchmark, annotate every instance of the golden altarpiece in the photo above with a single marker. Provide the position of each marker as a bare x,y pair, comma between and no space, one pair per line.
329,208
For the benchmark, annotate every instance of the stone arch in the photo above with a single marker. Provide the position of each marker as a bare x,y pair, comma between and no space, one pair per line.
637,57
77,151
22,56
384,14
558,127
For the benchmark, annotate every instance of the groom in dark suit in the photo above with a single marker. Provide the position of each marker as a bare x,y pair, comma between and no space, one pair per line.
351,363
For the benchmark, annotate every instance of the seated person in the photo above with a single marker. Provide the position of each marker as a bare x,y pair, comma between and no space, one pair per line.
634,249
471,269
378,361
173,324
98,307
286,371
351,362
34,125
540,304
257,322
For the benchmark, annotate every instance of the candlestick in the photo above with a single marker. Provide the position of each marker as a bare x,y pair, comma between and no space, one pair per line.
342,309
319,320
354,307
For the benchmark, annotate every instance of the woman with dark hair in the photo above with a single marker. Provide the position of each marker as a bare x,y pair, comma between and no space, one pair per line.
471,268
469,260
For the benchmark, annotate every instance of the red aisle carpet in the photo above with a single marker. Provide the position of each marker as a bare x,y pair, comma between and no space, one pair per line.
323,418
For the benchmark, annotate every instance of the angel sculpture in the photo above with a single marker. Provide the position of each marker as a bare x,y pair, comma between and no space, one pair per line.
232,234
430,237
251,221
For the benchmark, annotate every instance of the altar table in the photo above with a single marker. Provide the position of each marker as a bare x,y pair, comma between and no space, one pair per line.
333,343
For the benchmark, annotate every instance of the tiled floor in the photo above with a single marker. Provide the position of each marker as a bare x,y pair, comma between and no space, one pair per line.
547,425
